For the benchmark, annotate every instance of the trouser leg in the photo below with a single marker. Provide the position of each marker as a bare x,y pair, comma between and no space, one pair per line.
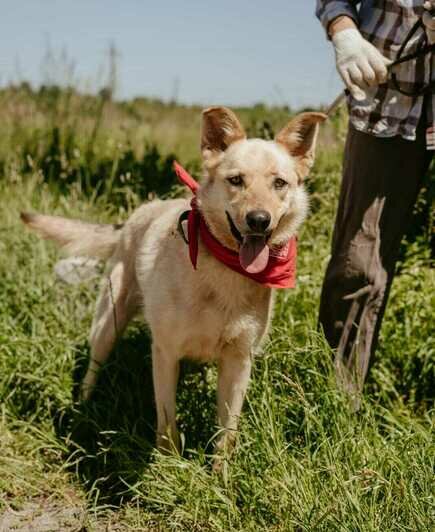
381,181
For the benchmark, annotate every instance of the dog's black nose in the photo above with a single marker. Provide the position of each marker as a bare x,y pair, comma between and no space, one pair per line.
258,220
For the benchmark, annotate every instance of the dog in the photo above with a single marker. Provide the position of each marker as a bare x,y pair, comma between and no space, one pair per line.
252,201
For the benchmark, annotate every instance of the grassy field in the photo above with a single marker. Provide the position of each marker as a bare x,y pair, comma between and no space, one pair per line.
304,461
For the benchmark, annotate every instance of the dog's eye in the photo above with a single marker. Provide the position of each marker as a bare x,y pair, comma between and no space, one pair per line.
279,183
236,181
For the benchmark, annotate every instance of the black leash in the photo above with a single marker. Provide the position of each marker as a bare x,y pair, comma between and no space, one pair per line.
423,48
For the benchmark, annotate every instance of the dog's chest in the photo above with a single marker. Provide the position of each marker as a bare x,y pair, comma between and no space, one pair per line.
218,319
215,328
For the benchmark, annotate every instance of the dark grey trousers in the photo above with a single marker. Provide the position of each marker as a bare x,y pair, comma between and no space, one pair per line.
381,181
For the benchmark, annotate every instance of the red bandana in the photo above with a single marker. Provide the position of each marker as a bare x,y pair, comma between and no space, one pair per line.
280,271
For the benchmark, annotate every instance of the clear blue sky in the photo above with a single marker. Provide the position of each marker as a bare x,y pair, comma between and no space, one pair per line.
220,52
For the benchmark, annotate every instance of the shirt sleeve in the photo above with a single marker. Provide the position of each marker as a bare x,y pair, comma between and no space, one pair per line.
328,10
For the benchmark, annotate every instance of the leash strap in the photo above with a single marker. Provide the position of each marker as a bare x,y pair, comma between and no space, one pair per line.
423,48
193,216
183,218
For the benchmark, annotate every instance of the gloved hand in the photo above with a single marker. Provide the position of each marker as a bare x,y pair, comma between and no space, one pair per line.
358,62
429,20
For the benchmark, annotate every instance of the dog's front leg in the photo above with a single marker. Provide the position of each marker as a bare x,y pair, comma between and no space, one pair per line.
165,378
234,370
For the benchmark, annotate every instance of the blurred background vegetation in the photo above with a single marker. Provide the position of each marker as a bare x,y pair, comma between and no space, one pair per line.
125,149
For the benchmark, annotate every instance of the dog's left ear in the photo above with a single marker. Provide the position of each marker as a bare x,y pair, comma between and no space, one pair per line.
299,138
220,128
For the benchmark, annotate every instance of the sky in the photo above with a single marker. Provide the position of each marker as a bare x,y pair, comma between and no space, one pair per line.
207,52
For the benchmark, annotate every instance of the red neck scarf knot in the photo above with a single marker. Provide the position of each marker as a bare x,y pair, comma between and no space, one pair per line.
280,271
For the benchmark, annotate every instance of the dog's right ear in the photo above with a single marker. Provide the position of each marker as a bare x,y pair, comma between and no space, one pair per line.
220,128
299,138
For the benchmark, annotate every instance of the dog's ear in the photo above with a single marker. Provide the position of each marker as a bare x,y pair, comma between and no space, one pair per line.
220,128
299,138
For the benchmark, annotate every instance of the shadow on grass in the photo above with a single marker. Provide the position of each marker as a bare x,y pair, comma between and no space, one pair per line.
109,440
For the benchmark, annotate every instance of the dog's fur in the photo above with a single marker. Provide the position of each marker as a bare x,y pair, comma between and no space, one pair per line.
208,314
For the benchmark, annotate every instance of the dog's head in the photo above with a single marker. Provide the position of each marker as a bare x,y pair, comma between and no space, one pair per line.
253,197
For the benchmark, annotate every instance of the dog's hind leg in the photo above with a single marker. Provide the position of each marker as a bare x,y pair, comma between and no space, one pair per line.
116,305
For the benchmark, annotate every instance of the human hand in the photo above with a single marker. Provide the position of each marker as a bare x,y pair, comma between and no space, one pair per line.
358,62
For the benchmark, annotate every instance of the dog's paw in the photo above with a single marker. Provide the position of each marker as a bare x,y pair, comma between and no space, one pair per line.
219,464
168,443
224,448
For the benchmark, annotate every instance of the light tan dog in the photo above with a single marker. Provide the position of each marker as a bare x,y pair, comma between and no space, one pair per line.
212,313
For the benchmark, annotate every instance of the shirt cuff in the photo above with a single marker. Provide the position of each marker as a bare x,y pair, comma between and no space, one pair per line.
331,11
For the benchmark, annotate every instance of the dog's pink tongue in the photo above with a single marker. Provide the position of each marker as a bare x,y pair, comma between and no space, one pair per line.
254,254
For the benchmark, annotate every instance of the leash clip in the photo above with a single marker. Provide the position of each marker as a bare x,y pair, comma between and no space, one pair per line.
184,216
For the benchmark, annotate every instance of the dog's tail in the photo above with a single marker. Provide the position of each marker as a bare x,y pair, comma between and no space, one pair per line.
76,237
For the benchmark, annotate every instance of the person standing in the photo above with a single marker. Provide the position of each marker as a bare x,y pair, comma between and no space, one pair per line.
388,151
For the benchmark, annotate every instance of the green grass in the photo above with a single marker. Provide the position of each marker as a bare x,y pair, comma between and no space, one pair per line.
304,461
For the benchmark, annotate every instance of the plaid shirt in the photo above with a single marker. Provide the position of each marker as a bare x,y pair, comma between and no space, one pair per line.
386,23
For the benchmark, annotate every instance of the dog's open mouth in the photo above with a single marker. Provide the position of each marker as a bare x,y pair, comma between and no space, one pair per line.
253,251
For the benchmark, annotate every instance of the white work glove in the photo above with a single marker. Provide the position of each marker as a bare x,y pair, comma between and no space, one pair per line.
429,20
358,62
